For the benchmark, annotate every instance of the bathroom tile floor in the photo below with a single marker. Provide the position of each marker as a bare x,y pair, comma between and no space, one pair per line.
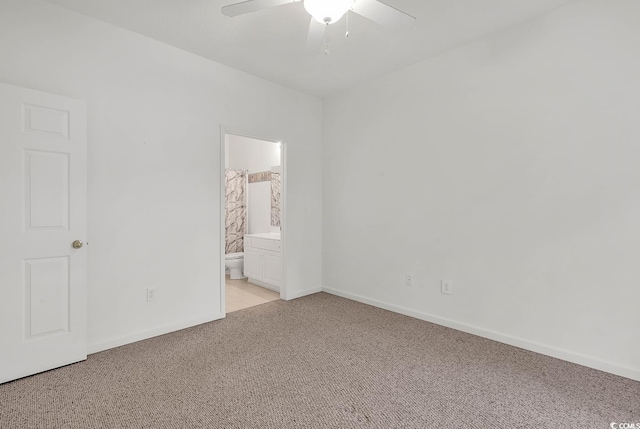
241,294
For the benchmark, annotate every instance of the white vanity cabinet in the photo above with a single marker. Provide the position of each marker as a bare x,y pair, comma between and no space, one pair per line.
263,260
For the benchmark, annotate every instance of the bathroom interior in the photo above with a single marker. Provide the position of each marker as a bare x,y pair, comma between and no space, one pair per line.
252,223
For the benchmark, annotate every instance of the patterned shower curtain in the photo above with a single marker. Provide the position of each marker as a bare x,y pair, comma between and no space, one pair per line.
276,185
235,210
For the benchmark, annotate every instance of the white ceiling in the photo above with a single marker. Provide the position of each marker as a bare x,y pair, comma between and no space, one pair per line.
270,43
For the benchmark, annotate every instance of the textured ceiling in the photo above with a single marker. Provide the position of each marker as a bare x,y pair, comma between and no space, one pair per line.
270,43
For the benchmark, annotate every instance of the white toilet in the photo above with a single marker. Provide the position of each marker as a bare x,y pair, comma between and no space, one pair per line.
234,262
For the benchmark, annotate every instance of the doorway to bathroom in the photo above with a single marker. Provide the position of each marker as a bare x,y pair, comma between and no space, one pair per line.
252,201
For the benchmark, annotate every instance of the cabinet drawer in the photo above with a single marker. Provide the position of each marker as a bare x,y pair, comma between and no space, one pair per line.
264,243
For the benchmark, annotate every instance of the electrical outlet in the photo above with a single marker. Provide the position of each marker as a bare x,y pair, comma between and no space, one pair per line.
446,287
408,280
151,294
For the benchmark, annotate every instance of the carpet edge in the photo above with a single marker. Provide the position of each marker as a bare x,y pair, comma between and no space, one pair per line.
558,353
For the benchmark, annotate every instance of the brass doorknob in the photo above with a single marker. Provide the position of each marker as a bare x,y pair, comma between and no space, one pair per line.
77,244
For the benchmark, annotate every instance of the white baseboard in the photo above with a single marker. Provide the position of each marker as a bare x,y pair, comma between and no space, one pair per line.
301,293
533,346
143,335
263,284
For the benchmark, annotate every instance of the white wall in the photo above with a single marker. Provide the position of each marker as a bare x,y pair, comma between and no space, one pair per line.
509,166
252,154
154,118
255,156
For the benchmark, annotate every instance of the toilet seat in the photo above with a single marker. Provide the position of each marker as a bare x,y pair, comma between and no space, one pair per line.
231,256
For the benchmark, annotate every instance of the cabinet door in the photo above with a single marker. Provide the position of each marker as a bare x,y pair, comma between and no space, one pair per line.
273,269
252,264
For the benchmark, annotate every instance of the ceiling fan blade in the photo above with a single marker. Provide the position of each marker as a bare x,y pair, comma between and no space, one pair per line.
252,6
315,37
383,14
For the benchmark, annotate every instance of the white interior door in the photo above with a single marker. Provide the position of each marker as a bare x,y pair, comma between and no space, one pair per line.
43,192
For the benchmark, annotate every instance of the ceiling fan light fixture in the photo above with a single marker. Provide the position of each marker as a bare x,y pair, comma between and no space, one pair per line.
327,11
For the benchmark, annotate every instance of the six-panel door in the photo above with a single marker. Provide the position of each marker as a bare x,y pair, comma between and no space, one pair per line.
43,194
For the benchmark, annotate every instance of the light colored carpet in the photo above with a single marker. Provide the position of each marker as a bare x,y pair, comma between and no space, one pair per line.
319,362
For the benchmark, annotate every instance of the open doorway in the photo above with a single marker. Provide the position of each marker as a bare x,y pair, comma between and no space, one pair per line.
252,221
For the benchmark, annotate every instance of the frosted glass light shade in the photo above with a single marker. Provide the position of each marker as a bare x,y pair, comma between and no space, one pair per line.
327,11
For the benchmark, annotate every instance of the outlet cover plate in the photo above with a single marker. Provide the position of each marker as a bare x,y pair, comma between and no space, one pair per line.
446,287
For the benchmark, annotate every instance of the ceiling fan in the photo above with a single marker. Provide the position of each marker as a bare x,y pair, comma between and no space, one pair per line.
326,12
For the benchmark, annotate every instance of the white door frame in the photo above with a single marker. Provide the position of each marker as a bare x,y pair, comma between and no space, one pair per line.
283,212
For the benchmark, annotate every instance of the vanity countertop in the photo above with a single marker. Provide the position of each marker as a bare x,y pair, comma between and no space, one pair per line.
267,235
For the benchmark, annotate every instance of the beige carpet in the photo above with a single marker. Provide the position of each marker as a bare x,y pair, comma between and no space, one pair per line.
319,362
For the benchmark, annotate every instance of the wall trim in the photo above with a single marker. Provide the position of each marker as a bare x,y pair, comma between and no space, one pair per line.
150,333
300,293
533,346
263,284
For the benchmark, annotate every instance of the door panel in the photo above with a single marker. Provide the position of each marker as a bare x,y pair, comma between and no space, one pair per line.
43,280
38,119
46,188
46,296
